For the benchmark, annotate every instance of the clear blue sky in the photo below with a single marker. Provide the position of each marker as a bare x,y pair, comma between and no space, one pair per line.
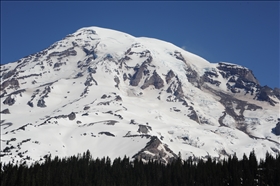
244,33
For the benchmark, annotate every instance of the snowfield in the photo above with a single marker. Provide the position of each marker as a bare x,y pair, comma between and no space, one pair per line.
114,94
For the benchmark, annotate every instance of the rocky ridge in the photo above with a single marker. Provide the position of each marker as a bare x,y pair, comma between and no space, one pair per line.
120,95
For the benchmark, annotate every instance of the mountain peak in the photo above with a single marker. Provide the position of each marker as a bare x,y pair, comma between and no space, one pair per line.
116,94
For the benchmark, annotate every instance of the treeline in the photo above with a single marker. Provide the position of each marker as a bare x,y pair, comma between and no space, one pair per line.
83,170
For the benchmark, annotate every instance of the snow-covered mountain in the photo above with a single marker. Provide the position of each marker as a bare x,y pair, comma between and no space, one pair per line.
117,95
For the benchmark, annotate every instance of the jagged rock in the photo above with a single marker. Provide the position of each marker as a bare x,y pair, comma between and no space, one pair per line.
144,129
179,93
65,53
89,80
164,155
169,76
276,130
3,94
276,92
117,80
231,69
193,77
264,94
41,103
179,56
118,98
86,107
134,81
9,74
125,77
57,65
80,74
72,116
9,101
155,80
104,96
207,77
5,111
30,103
193,116
88,52
91,70
12,82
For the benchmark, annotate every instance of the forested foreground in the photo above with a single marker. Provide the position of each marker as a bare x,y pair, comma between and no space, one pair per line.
84,170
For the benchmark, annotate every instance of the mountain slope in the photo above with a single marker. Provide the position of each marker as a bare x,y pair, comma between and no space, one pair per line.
117,95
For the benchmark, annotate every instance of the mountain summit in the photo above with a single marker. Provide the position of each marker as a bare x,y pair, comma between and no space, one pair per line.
116,95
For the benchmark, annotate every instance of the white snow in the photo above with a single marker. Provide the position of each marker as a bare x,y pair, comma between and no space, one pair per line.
64,137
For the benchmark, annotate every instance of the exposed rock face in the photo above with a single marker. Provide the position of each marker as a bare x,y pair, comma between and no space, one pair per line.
193,115
169,76
179,93
138,75
9,74
155,80
5,111
193,77
244,74
207,77
157,152
72,116
9,101
67,52
30,103
12,82
276,92
264,95
86,107
117,80
144,129
239,78
41,103
276,130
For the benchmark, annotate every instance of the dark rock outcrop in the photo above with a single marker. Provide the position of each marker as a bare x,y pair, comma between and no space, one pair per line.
65,53
9,101
179,93
9,74
107,134
144,129
193,115
276,130
276,92
30,103
72,116
169,76
243,73
193,77
134,81
207,77
41,103
154,153
12,82
117,80
5,111
155,80
264,95
86,107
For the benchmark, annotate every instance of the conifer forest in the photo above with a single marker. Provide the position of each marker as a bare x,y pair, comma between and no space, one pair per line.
83,170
